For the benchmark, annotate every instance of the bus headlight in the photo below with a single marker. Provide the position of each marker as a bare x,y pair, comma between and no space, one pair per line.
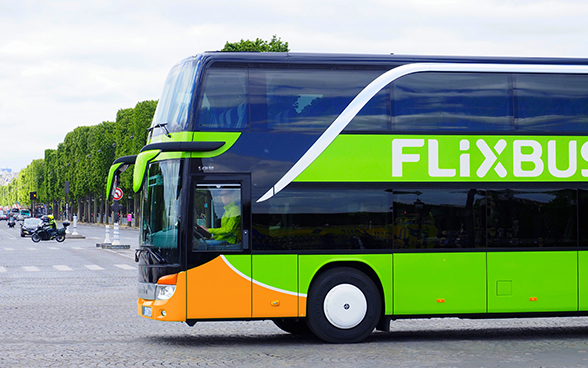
164,292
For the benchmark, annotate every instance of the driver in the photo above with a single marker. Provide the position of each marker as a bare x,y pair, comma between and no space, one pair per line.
227,233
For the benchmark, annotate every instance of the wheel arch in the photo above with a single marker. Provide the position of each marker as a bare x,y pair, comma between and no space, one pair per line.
358,265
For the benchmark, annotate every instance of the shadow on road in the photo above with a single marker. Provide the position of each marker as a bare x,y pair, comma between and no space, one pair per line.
474,335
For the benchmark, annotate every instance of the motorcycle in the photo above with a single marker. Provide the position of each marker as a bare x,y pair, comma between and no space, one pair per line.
47,233
11,222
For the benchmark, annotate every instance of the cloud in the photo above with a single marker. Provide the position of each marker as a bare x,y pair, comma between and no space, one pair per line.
66,63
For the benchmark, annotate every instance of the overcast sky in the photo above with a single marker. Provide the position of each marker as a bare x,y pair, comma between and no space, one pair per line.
70,63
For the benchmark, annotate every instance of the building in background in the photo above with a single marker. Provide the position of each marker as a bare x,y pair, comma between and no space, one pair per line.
7,176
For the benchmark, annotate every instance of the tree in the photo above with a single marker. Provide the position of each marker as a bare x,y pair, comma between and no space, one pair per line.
82,159
275,45
131,134
102,153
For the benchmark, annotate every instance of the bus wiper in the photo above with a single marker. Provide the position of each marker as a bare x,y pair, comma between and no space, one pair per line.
160,125
151,252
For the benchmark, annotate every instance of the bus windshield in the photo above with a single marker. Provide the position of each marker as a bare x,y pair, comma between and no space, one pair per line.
161,209
171,114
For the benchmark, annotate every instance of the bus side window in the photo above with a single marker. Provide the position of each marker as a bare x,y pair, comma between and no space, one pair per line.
223,103
455,102
303,100
556,103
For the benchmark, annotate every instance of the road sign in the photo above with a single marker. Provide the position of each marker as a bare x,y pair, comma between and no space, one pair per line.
118,194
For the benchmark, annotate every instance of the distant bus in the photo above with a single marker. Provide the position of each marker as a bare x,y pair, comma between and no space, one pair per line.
335,193
25,213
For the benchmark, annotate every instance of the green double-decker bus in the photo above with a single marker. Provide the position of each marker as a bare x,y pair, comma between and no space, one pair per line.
335,193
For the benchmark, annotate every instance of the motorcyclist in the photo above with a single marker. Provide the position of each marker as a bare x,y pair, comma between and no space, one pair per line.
49,222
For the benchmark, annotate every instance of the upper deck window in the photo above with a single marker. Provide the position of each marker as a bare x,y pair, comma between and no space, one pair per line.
306,99
223,102
549,103
473,102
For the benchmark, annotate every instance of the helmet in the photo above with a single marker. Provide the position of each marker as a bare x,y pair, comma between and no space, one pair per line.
51,217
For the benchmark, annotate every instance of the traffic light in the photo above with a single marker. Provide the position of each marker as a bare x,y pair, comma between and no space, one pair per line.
33,196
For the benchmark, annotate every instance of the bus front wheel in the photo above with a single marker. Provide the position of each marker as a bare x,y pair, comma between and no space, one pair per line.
344,305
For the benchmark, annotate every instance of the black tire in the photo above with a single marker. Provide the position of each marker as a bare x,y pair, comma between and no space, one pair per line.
60,238
295,326
36,238
344,305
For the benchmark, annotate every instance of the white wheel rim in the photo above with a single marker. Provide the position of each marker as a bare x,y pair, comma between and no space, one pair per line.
345,306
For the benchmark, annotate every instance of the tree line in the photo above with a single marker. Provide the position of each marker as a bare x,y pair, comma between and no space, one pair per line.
81,163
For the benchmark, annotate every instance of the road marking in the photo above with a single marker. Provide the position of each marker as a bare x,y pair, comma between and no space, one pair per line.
94,267
31,248
8,248
31,268
62,268
125,267
77,248
53,248
2,269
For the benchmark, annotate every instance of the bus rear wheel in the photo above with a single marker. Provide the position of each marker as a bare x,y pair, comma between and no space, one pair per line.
344,305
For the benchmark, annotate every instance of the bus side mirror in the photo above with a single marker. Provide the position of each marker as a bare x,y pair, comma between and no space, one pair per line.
141,164
118,166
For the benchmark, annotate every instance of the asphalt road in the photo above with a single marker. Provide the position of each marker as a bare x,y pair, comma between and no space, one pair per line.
72,304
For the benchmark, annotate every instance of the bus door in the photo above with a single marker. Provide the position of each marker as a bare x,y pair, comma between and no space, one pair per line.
219,251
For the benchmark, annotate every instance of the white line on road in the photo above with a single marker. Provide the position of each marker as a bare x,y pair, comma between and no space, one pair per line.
94,267
31,268
8,248
2,269
62,268
125,267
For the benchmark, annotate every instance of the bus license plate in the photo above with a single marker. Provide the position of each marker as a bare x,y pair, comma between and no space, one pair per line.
147,311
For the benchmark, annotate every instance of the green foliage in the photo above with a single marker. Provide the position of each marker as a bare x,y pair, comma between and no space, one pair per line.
259,45
83,159
131,126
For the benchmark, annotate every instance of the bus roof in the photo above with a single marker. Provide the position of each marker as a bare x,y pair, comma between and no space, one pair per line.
382,60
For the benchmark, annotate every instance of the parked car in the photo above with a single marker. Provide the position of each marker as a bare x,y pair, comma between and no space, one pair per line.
29,226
